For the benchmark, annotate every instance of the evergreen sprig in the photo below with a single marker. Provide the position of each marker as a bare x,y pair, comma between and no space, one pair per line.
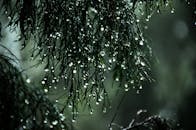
25,107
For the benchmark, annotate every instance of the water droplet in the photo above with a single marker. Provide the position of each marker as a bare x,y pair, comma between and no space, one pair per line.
114,59
51,126
24,127
74,71
91,112
110,60
85,86
73,120
45,121
28,80
141,43
104,110
26,101
142,63
93,10
46,70
126,85
62,117
102,28
117,79
53,81
70,64
102,53
132,81
9,17
110,128
172,11
55,122
136,38
145,27
122,66
142,78
43,82
141,111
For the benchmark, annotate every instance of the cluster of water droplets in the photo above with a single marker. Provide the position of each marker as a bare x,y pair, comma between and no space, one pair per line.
107,42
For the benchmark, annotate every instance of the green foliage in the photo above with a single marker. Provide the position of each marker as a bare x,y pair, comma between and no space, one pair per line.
153,123
144,122
22,106
81,41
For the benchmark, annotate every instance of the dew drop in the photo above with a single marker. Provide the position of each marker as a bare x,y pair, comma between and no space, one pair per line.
141,43
85,86
91,112
110,60
70,64
136,38
126,85
45,121
110,128
132,81
99,99
102,53
62,117
142,63
142,78
43,82
24,127
26,101
102,28
55,122
172,11
28,80
73,120
117,79
46,70
74,71
104,110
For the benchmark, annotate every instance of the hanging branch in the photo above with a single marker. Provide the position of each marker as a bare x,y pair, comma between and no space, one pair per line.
80,41
23,106
148,123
